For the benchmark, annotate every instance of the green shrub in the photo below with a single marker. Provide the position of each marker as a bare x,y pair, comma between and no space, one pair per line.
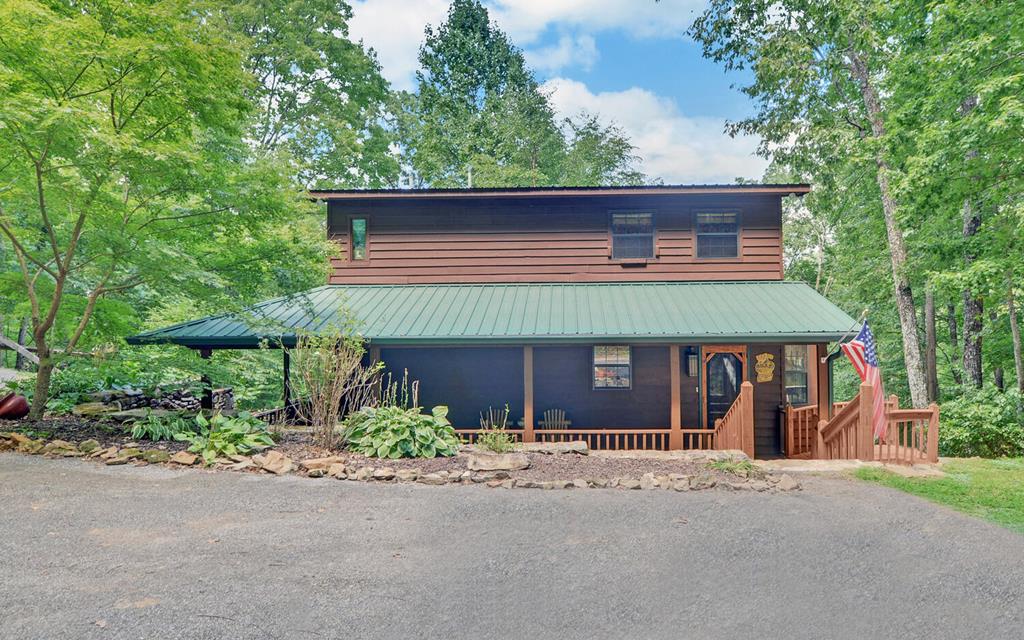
154,427
986,423
223,436
495,437
398,432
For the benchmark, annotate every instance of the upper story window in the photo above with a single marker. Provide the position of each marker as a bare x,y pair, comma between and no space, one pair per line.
796,374
612,368
632,236
357,236
718,235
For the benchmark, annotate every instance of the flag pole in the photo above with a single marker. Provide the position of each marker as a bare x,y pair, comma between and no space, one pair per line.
860,320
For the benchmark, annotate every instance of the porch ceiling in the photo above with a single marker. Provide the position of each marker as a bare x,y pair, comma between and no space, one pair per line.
656,312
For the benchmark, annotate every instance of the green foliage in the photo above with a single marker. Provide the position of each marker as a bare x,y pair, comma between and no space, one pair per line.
989,489
986,423
223,436
397,432
495,437
155,427
742,468
479,106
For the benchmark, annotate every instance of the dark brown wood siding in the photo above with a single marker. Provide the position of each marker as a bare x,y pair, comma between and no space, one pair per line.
546,240
767,397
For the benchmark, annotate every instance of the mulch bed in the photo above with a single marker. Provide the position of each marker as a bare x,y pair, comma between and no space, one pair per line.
74,429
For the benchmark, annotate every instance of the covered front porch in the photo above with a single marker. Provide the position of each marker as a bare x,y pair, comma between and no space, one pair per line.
668,365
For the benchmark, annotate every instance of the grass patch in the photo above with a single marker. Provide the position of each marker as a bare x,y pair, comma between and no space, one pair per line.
742,468
989,489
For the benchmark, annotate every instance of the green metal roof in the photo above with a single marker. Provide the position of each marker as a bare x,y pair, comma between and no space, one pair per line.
776,311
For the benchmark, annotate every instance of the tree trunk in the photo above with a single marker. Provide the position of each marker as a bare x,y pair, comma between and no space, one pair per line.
930,346
999,379
42,390
954,341
19,360
1018,360
897,247
973,306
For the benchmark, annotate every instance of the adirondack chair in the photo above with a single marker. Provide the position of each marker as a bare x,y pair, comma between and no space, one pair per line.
554,419
493,418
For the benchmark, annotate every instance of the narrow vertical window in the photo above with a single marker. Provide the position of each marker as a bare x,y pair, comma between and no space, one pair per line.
632,236
718,235
357,233
612,369
796,374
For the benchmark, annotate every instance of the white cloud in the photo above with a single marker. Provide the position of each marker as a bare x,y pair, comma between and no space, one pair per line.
569,51
394,28
674,147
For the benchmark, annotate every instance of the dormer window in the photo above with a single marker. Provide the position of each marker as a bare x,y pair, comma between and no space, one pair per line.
718,235
632,236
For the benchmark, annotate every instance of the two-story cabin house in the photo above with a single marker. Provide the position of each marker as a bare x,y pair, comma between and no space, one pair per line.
630,317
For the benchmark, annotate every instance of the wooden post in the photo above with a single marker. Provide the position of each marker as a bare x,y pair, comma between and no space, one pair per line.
374,354
747,419
675,436
206,400
287,379
818,452
822,383
933,433
528,394
865,446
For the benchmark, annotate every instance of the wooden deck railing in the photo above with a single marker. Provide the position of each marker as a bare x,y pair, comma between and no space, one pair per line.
735,430
911,437
801,430
613,439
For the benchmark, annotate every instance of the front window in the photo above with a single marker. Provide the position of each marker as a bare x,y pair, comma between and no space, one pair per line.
612,368
718,235
796,374
358,235
632,236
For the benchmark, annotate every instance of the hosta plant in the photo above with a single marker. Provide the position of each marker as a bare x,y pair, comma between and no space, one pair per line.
223,436
398,432
155,427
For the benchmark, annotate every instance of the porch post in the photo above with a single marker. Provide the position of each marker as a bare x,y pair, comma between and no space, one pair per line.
528,394
287,386
865,438
206,400
675,436
822,383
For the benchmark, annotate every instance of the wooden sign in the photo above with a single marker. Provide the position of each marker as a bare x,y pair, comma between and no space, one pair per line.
765,367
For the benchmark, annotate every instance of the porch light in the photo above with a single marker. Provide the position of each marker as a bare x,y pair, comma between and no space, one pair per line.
692,362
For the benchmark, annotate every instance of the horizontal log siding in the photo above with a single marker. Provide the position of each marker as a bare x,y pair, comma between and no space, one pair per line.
538,240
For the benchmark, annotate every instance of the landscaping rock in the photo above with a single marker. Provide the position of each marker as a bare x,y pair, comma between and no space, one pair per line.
60,448
629,483
362,473
117,461
580,483
759,485
407,475
316,473
384,473
432,478
787,483
554,448
88,446
184,458
155,456
93,409
681,485
129,452
321,463
735,485
273,461
526,484
241,465
663,481
555,484
338,470
105,454
497,462
647,481
598,483
703,481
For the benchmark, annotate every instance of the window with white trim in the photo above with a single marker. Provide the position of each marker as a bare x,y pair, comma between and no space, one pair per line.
612,367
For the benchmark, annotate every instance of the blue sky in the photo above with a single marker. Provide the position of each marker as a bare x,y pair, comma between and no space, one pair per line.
627,60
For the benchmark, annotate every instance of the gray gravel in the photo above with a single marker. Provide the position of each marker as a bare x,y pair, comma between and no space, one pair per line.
99,552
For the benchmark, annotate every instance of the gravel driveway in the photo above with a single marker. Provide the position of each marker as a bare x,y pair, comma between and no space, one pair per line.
116,552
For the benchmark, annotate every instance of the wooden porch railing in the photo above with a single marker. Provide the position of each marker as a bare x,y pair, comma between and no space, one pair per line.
801,430
735,430
613,439
912,435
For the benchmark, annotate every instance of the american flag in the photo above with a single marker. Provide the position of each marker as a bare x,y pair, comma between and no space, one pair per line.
863,353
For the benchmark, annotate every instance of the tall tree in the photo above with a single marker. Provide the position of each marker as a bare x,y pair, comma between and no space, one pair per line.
817,69
124,166
318,95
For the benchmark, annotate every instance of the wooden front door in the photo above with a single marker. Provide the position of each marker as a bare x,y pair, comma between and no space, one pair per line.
722,373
